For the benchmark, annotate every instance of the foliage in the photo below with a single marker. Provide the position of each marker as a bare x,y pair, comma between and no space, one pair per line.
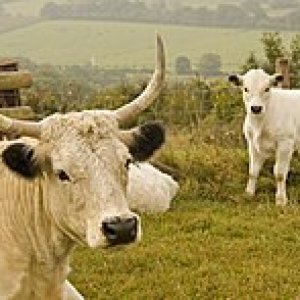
273,47
210,64
183,65
251,63
247,14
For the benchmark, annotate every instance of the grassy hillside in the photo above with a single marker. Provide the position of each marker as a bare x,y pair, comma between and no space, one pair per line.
126,45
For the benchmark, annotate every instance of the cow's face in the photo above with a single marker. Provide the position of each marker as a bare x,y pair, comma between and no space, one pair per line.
256,87
84,160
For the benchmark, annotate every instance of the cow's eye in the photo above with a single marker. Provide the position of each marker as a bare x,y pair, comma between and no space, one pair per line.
246,90
128,162
63,176
267,89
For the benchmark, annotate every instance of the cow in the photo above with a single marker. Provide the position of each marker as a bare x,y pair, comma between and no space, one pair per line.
271,127
63,183
149,189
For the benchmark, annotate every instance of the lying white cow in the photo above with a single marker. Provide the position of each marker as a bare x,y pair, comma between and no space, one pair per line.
272,125
149,189
68,188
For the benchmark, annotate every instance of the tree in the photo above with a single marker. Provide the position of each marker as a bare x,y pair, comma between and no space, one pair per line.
210,64
251,63
183,65
273,48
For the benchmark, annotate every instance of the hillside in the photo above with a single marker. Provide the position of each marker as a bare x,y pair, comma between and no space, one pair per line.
127,45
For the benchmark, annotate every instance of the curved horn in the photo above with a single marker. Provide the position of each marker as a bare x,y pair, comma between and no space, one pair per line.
134,108
27,128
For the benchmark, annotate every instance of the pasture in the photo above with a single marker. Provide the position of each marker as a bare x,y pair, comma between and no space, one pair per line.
127,45
215,243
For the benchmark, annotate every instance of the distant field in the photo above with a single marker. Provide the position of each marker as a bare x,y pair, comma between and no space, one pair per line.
123,45
32,7
27,7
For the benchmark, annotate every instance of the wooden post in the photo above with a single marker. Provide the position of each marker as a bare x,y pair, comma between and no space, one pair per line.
282,66
15,80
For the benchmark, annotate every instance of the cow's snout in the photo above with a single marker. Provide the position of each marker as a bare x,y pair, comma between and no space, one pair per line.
120,230
256,109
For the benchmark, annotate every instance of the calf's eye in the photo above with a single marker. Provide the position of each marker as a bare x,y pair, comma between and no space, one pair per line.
63,176
246,90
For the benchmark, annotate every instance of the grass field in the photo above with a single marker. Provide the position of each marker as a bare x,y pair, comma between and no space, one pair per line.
121,45
200,250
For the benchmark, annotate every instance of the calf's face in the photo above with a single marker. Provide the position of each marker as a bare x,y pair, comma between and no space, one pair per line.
256,87
83,159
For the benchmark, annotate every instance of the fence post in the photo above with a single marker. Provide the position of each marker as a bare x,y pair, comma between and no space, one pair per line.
282,66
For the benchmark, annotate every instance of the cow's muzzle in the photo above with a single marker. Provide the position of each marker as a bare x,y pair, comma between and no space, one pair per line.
256,109
120,230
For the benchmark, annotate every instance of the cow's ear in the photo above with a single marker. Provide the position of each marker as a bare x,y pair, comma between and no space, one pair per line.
144,140
20,158
276,78
236,79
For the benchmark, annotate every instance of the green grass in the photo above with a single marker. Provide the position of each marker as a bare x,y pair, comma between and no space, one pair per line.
119,45
200,250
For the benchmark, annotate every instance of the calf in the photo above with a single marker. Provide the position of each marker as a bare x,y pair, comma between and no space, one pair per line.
272,126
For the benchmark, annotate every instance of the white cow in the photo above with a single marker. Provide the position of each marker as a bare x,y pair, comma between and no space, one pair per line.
272,126
149,189
68,187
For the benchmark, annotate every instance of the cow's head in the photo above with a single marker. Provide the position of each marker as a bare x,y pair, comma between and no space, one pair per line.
256,86
83,160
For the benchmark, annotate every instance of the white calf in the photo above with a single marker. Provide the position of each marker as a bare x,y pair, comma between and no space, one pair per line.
272,125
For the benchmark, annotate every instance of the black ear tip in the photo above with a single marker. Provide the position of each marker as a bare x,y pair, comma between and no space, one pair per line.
148,138
279,78
232,77
154,131
19,158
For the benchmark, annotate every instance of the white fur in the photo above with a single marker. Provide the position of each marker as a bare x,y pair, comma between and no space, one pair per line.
150,190
275,131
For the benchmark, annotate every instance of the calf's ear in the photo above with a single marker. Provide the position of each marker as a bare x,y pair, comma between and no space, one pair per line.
235,79
276,78
20,158
144,140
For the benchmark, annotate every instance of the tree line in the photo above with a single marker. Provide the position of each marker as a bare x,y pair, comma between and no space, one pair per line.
247,14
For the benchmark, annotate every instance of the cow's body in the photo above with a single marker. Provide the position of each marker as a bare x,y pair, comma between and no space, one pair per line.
68,186
271,127
149,189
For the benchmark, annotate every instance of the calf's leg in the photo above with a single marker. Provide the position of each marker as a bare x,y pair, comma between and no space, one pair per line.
256,161
284,154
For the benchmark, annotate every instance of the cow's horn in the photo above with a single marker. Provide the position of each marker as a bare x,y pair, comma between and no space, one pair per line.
134,108
24,128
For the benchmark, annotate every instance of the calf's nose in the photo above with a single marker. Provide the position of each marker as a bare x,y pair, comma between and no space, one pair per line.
120,230
256,109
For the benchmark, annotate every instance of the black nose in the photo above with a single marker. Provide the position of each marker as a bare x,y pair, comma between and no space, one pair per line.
120,230
256,109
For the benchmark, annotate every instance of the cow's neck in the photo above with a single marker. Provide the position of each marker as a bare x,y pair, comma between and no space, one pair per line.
257,123
33,251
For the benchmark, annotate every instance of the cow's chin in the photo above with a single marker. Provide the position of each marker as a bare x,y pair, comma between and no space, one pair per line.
95,238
